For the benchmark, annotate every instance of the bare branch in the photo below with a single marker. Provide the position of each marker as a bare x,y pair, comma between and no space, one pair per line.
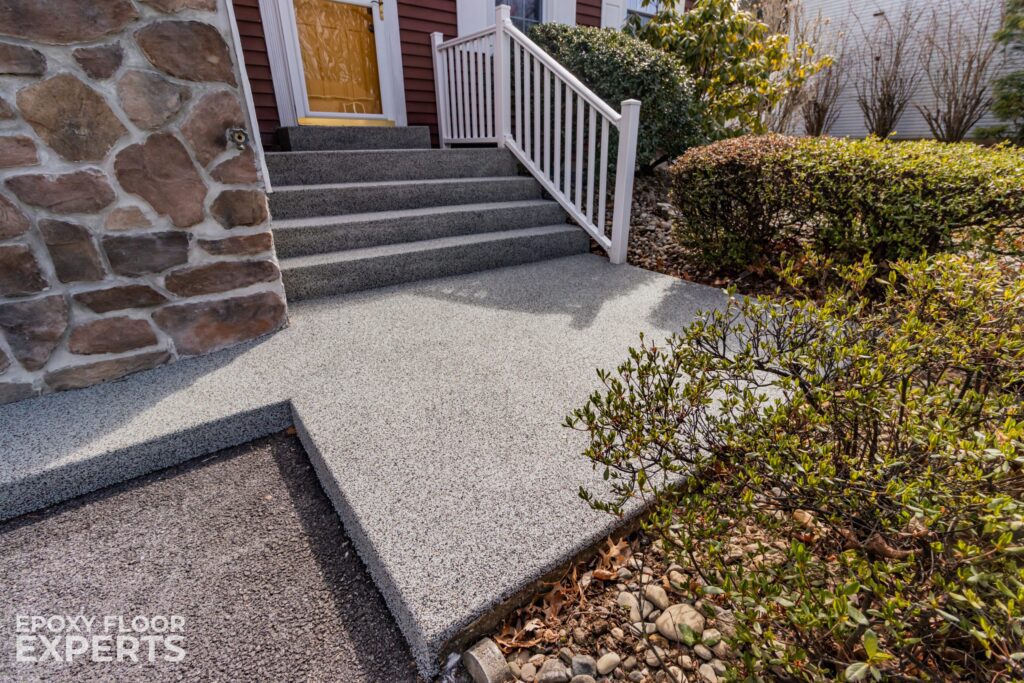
888,70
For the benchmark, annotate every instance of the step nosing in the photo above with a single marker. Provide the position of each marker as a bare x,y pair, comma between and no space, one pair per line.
399,214
280,189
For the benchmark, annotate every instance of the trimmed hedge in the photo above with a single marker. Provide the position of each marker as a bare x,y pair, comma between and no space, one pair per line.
742,201
619,67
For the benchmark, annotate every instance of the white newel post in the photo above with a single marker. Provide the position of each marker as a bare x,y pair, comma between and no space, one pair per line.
502,76
629,127
440,92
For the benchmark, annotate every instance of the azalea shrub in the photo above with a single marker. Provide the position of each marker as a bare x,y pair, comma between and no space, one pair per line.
744,199
845,476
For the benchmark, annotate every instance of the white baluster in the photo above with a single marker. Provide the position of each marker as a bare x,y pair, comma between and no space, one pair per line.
556,143
602,170
580,106
569,98
591,162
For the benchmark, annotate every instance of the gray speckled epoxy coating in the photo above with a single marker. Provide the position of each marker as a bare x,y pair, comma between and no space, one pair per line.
244,546
432,412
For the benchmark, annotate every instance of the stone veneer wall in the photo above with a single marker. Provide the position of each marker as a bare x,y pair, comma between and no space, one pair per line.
131,234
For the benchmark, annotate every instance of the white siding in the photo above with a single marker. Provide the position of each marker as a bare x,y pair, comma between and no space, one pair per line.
849,16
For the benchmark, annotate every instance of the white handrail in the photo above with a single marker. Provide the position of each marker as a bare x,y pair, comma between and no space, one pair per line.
498,86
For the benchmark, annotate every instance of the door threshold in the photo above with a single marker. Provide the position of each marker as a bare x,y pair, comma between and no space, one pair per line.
329,121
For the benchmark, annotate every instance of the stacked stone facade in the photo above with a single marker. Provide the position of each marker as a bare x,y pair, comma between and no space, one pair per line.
132,233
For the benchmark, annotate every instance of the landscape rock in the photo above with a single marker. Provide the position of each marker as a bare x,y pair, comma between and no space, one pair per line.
65,21
707,673
584,665
70,117
77,192
161,172
607,663
34,328
17,60
671,621
233,208
111,335
582,679
15,391
238,170
703,652
12,221
220,277
656,595
74,255
127,218
189,50
120,298
485,663
5,362
20,274
17,150
80,376
243,245
6,110
147,253
711,637
173,6
208,123
207,326
149,100
553,671
101,61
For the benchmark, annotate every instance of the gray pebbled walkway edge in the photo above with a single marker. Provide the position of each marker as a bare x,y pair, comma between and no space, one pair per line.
432,413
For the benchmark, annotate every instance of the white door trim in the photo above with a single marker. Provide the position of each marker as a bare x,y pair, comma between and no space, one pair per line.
285,57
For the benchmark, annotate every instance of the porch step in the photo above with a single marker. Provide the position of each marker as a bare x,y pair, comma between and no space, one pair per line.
333,166
341,272
303,201
315,138
307,236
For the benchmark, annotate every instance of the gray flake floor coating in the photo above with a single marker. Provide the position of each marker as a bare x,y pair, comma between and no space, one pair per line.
244,546
432,412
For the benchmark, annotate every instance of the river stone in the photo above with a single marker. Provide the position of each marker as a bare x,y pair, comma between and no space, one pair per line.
148,253
81,376
101,61
34,328
111,335
16,391
218,277
189,50
208,123
174,6
6,110
12,221
238,170
78,192
234,208
126,218
120,298
149,100
72,251
243,245
71,118
16,60
671,622
19,271
608,663
17,150
207,326
161,172
656,595
65,21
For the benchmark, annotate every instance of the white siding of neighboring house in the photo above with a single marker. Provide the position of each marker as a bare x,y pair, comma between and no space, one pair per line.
844,14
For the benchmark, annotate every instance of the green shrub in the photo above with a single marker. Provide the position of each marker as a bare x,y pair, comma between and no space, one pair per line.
845,198
845,477
731,196
618,67
1008,90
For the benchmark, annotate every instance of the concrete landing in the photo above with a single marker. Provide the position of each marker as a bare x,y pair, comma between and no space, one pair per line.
431,411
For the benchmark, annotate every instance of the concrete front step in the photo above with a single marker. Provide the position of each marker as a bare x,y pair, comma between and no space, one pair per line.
315,138
306,236
325,167
307,277
303,201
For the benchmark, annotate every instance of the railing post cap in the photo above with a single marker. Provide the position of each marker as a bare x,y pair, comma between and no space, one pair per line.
631,103
437,37
504,12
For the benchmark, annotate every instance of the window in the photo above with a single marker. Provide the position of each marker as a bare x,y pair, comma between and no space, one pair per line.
525,13
636,7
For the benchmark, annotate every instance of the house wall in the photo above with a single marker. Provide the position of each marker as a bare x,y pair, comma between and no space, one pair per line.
416,21
130,234
588,12
257,67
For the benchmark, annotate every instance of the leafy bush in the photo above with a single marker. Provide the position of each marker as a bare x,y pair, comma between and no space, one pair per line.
732,203
845,198
1008,91
845,477
618,67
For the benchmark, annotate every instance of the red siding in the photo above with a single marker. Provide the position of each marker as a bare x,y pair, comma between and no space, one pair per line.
416,21
588,12
257,66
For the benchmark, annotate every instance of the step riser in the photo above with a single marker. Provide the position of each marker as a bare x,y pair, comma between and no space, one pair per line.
307,240
311,282
316,168
308,202
315,138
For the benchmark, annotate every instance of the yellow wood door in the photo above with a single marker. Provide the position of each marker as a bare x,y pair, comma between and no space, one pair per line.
339,57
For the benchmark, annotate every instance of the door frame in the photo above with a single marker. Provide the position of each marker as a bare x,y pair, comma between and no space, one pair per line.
285,57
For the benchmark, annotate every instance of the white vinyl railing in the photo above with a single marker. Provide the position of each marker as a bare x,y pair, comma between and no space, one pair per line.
498,86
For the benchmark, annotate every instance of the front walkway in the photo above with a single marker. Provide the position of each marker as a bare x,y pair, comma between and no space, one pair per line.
432,412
